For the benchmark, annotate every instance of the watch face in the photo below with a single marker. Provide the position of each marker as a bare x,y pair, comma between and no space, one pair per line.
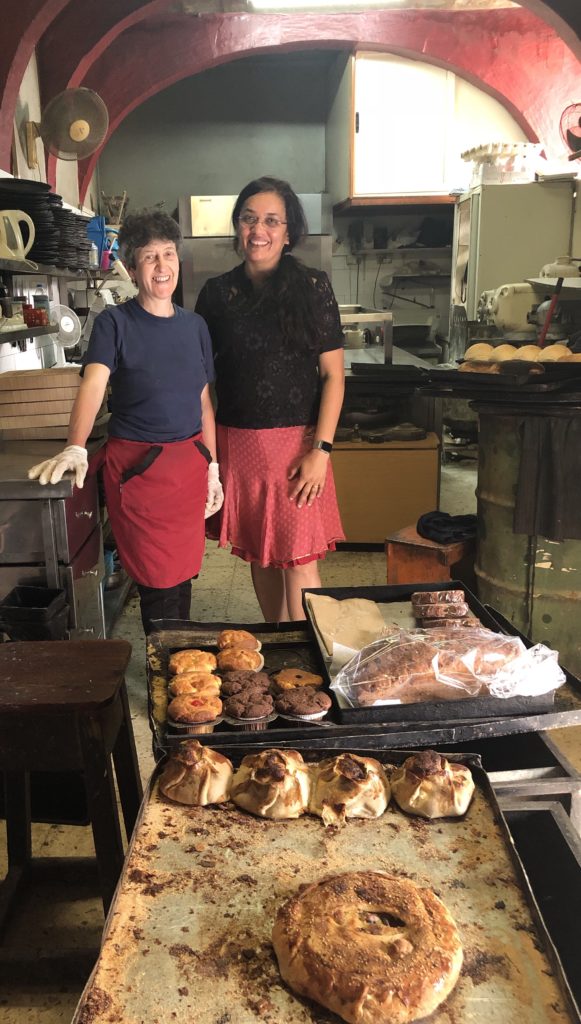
325,446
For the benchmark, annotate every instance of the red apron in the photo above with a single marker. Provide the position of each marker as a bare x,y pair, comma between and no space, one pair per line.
156,497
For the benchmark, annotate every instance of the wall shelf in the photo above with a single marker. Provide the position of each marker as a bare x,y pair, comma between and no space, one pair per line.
21,267
371,203
27,332
420,251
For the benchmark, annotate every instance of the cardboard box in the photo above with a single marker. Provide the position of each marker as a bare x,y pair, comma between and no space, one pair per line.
25,380
10,397
36,433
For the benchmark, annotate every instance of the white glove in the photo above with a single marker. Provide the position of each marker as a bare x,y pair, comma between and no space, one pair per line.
215,497
73,458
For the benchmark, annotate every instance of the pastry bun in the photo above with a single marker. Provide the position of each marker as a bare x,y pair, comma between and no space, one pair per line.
191,708
233,658
531,353
573,357
371,947
272,784
481,350
194,682
240,638
196,775
290,678
427,784
476,367
502,352
192,661
348,786
552,353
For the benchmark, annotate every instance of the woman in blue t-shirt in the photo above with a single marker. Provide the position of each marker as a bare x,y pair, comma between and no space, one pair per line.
159,464
278,353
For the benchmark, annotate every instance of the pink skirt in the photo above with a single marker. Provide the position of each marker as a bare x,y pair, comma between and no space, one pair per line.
257,520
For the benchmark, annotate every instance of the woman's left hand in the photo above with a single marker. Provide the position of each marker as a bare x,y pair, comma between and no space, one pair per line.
309,474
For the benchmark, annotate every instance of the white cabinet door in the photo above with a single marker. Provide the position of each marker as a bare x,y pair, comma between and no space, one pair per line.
403,112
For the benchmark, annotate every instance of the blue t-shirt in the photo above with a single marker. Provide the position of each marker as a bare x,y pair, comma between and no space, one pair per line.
159,367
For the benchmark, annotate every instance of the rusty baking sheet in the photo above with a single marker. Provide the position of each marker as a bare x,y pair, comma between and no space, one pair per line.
282,647
188,935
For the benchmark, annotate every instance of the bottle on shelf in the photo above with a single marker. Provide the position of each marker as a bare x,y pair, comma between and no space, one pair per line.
40,298
5,300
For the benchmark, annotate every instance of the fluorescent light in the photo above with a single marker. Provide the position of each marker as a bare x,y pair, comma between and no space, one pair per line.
290,5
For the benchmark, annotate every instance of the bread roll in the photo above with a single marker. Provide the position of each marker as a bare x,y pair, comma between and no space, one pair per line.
529,352
429,785
189,660
475,367
552,353
348,786
272,784
196,775
502,352
574,357
373,948
239,638
480,350
231,659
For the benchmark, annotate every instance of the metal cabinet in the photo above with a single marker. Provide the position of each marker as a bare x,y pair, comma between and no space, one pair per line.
51,536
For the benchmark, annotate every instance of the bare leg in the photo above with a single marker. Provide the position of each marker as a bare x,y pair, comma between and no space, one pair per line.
295,579
270,590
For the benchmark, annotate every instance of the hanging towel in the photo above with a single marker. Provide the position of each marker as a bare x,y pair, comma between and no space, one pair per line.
548,495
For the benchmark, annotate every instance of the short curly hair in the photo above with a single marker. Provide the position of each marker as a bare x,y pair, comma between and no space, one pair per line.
145,226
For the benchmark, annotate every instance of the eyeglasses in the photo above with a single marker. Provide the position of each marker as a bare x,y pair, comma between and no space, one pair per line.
250,220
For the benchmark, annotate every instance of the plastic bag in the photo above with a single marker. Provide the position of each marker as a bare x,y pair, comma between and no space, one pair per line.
442,664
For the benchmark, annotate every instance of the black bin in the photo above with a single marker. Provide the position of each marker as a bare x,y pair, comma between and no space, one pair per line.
35,613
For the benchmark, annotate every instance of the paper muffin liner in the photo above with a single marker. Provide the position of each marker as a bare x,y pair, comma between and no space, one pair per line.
304,718
194,728
250,724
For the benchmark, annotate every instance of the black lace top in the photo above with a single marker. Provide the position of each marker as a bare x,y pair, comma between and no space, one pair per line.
261,380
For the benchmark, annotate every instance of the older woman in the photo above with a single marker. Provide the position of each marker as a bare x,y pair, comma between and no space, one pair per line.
159,464
278,350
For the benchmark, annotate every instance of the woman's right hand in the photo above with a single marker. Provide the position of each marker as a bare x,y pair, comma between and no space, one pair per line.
72,459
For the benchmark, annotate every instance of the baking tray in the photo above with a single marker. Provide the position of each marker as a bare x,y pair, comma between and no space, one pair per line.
188,935
433,711
283,646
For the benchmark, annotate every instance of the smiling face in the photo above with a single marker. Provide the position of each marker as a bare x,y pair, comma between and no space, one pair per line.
261,243
156,275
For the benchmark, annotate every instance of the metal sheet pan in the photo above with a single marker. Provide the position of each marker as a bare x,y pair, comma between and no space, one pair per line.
436,711
188,935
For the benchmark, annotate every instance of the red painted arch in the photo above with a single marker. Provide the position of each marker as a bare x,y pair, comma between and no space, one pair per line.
509,52
19,35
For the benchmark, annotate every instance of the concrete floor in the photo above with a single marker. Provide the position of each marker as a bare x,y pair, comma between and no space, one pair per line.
71,916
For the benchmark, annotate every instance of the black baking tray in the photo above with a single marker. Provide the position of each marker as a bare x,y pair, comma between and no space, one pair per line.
432,711
284,645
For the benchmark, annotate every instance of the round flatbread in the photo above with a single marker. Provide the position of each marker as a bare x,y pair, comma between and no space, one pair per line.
371,947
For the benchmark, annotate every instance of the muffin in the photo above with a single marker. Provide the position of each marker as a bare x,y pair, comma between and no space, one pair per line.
249,704
192,661
238,682
303,702
239,638
291,678
234,658
192,708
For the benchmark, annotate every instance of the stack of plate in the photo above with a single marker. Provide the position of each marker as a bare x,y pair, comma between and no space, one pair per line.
61,236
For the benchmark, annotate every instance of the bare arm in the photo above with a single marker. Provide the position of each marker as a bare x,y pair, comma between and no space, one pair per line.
208,422
87,403
311,472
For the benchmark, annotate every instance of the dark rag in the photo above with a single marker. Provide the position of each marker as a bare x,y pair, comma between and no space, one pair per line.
446,529
548,495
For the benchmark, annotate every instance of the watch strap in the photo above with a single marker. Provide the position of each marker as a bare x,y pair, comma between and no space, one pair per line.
325,446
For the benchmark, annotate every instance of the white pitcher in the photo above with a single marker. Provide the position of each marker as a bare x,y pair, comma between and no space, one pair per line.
12,245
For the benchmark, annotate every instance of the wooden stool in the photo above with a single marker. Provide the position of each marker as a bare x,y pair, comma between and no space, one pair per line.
63,707
413,559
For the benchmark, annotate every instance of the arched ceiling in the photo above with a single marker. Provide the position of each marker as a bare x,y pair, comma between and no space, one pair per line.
527,56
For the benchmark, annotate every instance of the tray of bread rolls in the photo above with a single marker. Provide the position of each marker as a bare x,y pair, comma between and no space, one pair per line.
307,887
429,652
235,680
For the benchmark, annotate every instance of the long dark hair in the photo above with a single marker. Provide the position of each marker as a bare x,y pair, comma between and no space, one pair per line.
289,290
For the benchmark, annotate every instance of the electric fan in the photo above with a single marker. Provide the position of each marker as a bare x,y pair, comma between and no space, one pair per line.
73,125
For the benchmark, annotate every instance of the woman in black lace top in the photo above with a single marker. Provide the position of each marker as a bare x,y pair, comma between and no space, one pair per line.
278,356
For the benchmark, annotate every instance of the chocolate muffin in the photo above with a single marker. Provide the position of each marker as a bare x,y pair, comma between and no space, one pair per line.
249,704
303,701
240,681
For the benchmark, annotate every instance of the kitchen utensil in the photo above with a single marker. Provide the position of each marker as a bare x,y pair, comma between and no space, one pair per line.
12,245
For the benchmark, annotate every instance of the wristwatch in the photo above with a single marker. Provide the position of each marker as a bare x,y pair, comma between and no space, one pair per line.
325,446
